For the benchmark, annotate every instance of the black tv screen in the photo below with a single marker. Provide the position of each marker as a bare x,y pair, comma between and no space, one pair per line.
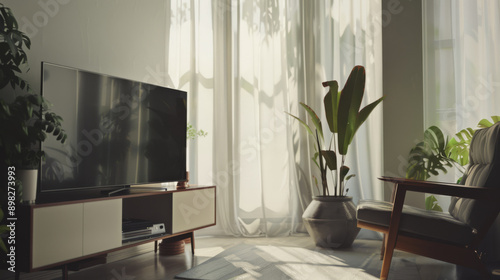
120,132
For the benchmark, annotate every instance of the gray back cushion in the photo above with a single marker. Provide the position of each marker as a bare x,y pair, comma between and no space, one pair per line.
483,171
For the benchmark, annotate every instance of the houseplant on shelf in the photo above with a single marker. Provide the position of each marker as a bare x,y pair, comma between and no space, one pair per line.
330,219
26,120
191,134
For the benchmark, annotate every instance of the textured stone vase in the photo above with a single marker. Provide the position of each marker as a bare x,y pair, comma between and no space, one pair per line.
331,221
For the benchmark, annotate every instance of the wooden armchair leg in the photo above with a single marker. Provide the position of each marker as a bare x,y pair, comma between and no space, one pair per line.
382,248
390,244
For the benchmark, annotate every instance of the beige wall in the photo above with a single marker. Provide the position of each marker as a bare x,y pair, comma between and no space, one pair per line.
118,38
403,85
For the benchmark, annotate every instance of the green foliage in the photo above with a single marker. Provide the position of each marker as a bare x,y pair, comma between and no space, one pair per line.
428,157
27,121
432,155
484,123
344,117
348,115
431,203
12,54
192,133
458,146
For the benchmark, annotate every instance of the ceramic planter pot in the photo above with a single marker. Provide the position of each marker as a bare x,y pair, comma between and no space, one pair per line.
29,179
331,221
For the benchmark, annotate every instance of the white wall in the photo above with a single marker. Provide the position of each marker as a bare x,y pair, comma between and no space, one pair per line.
119,38
403,85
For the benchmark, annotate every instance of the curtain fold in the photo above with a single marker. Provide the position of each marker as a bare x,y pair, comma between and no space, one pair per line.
244,64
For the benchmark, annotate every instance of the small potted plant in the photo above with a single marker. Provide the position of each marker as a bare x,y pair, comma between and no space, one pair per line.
191,134
330,218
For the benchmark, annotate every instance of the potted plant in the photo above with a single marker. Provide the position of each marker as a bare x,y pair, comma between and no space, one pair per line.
330,218
26,120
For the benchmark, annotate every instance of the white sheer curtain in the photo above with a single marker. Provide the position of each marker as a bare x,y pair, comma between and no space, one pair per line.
462,72
462,66
244,64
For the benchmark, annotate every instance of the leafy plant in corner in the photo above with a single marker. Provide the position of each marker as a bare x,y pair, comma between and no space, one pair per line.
428,157
27,119
436,154
12,54
344,117
27,122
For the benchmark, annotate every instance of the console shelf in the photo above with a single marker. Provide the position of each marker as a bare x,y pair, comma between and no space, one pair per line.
55,233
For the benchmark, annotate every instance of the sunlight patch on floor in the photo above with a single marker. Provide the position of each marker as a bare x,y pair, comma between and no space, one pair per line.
297,256
209,252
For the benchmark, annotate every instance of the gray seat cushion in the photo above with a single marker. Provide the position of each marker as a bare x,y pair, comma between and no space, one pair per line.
430,224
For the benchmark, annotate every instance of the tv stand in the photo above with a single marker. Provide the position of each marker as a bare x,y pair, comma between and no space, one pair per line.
124,190
56,234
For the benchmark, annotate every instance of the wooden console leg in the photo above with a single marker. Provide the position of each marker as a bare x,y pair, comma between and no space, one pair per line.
65,272
156,246
192,242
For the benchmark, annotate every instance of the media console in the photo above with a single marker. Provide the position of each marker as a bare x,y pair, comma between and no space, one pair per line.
56,233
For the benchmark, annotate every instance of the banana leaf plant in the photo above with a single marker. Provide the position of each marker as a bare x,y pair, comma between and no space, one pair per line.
344,117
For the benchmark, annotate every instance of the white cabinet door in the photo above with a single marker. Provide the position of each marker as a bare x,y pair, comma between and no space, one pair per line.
102,225
57,234
193,209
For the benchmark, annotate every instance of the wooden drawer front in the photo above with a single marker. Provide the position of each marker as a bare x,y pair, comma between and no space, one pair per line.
193,209
102,225
57,234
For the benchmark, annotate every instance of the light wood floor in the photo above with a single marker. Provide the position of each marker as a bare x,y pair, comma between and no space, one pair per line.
142,263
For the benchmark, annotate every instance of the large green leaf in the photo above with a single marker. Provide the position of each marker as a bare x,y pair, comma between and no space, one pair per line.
308,129
431,203
435,137
350,118
343,172
428,157
457,148
315,119
484,123
330,158
331,102
349,103
364,113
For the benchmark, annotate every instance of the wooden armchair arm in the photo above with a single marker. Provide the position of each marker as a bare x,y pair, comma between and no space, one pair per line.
444,188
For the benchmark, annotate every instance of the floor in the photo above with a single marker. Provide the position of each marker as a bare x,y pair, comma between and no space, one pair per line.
145,264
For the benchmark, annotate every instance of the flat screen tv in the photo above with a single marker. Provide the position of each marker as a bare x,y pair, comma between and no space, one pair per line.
120,132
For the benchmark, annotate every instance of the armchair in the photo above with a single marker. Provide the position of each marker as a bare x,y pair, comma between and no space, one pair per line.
451,237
